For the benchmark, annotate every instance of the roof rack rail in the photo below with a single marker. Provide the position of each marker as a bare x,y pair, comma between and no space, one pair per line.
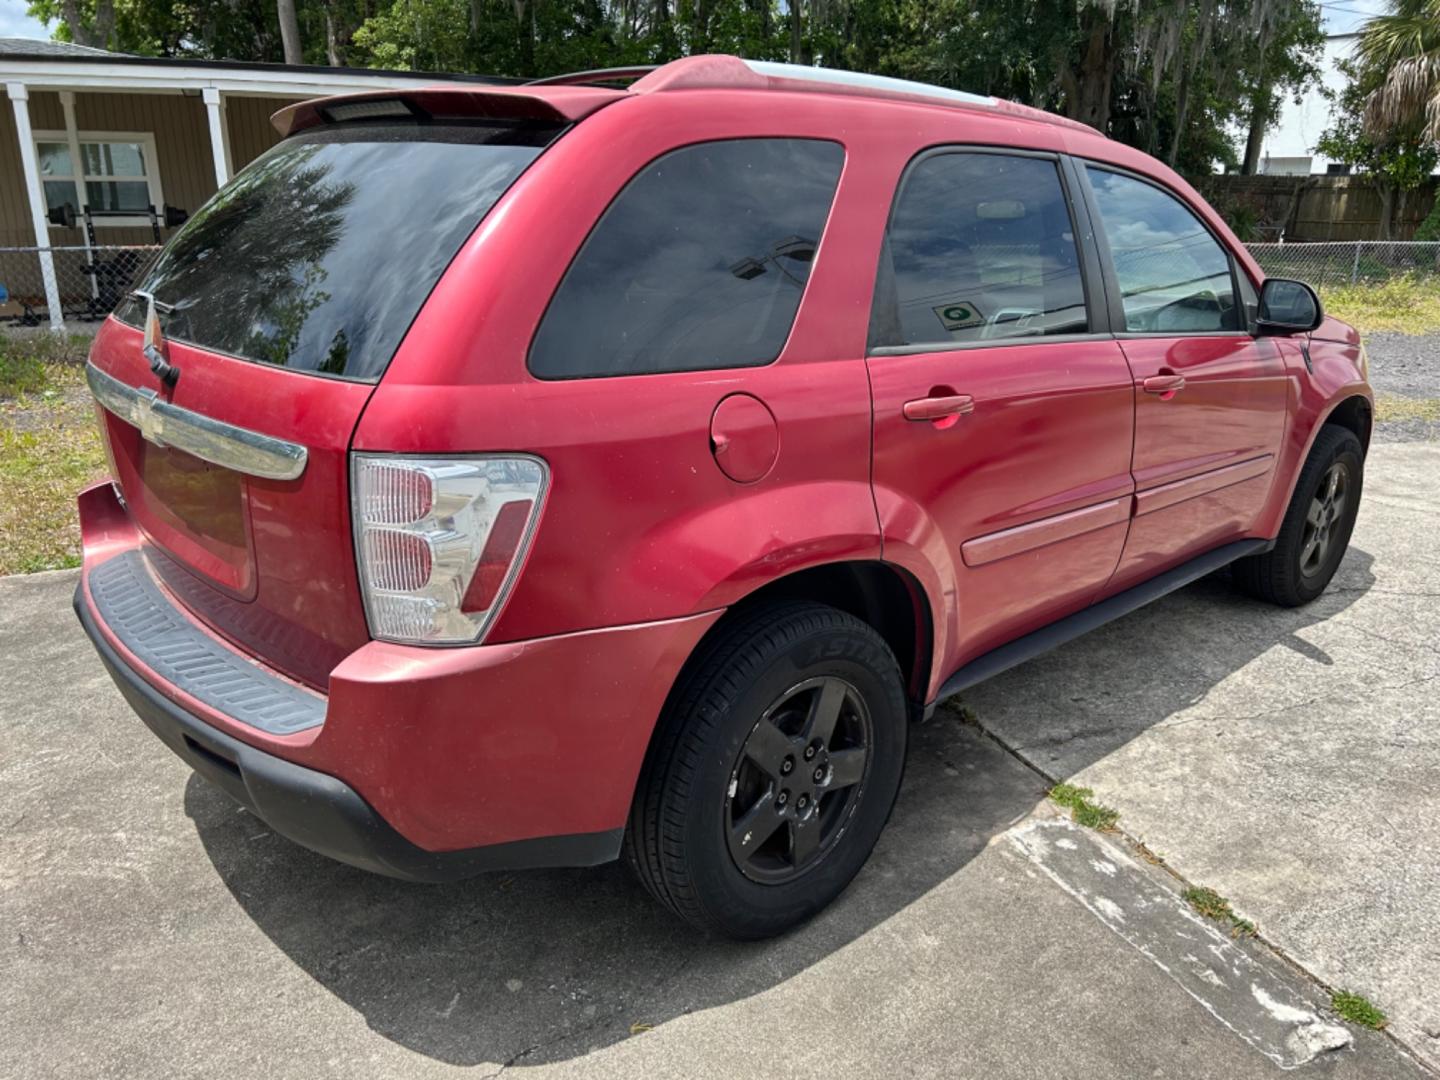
725,72
596,75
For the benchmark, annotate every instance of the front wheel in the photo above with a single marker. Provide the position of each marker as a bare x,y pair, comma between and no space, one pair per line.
772,772
1317,526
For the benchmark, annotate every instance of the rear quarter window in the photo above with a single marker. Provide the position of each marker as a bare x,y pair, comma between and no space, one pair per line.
318,255
699,263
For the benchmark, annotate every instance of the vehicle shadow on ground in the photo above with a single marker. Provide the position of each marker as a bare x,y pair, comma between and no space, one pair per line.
537,967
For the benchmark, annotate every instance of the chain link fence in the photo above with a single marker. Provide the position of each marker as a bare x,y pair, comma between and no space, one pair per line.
1353,262
87,282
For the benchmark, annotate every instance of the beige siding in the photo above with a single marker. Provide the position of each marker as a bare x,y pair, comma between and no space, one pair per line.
180,126
186,168
15,226
251,132
182,142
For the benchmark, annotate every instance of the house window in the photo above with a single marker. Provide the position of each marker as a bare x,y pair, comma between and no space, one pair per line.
117,169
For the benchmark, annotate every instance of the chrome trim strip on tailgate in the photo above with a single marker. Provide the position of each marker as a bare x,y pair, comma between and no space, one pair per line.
202,436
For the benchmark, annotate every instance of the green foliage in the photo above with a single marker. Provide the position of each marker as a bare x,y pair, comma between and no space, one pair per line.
1429,229
1357,1009
1396,158
1403,47
1172,79
1083,810
49,450
1408,304
21,372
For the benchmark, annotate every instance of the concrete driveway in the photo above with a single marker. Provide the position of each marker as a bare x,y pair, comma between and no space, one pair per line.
148,927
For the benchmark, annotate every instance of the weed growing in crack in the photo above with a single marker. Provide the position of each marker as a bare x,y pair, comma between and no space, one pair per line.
1357,1009
1083,810
1212,905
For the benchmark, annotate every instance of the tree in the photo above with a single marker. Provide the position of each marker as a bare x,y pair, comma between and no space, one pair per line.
92,27
290,31
1395,162
1405,45
207,29
1171,77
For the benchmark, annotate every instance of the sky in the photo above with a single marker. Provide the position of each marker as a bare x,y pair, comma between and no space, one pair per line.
1341,16
15,23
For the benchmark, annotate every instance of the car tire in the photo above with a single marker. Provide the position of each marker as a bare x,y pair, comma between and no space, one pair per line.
1317,526
772,771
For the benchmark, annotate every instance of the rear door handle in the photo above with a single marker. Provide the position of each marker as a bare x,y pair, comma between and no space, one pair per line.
1164,385
938,408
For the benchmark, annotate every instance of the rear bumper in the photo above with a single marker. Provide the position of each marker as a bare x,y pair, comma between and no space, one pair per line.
426,764
317,810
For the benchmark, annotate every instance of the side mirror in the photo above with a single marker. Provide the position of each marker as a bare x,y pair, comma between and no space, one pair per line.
1288,307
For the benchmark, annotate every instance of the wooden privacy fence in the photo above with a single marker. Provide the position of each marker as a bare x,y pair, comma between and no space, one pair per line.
1315,207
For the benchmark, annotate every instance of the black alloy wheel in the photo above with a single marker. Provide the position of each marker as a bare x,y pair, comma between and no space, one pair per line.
798,779
772,770
1323,519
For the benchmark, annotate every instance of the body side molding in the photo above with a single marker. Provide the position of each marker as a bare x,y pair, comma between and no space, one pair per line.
1073,626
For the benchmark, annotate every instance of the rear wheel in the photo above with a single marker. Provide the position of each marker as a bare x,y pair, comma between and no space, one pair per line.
1317,526
772,772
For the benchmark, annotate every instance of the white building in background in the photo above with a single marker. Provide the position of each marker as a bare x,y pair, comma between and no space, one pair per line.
1289,146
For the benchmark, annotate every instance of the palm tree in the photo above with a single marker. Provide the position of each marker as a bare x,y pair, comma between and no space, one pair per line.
1405,45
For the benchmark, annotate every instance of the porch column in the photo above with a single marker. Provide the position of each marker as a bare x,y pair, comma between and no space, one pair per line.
20,102
82,190
219,137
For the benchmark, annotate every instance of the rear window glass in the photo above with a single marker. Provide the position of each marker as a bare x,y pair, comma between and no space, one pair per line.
318,255
699,263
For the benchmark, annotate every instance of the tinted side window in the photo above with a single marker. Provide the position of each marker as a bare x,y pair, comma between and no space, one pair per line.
699,263
981,247
1174,276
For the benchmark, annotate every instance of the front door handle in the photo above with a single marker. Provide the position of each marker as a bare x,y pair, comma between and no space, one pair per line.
1164,385
938,408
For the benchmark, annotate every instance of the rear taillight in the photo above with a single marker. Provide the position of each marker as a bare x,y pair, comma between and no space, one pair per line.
439,541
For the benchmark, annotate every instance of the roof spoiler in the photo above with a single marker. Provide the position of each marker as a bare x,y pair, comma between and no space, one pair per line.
453,103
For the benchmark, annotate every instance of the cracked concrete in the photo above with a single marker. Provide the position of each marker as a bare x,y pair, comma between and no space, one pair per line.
149,927
1288,759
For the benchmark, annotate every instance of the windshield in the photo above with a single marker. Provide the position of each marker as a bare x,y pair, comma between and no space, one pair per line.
318,255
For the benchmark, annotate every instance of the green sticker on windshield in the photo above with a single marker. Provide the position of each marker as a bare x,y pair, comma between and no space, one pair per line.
960,315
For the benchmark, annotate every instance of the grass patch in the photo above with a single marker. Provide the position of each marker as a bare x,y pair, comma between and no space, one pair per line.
49,450
1357,1009
1390,407
1083,809
1409,305
1212,905
20,373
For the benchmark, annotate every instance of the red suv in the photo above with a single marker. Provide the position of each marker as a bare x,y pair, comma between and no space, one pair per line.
533,476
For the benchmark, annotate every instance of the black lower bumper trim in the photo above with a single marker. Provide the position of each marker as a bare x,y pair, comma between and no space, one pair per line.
318,811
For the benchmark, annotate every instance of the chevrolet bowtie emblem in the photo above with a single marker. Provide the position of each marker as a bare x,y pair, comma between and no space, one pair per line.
154,347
